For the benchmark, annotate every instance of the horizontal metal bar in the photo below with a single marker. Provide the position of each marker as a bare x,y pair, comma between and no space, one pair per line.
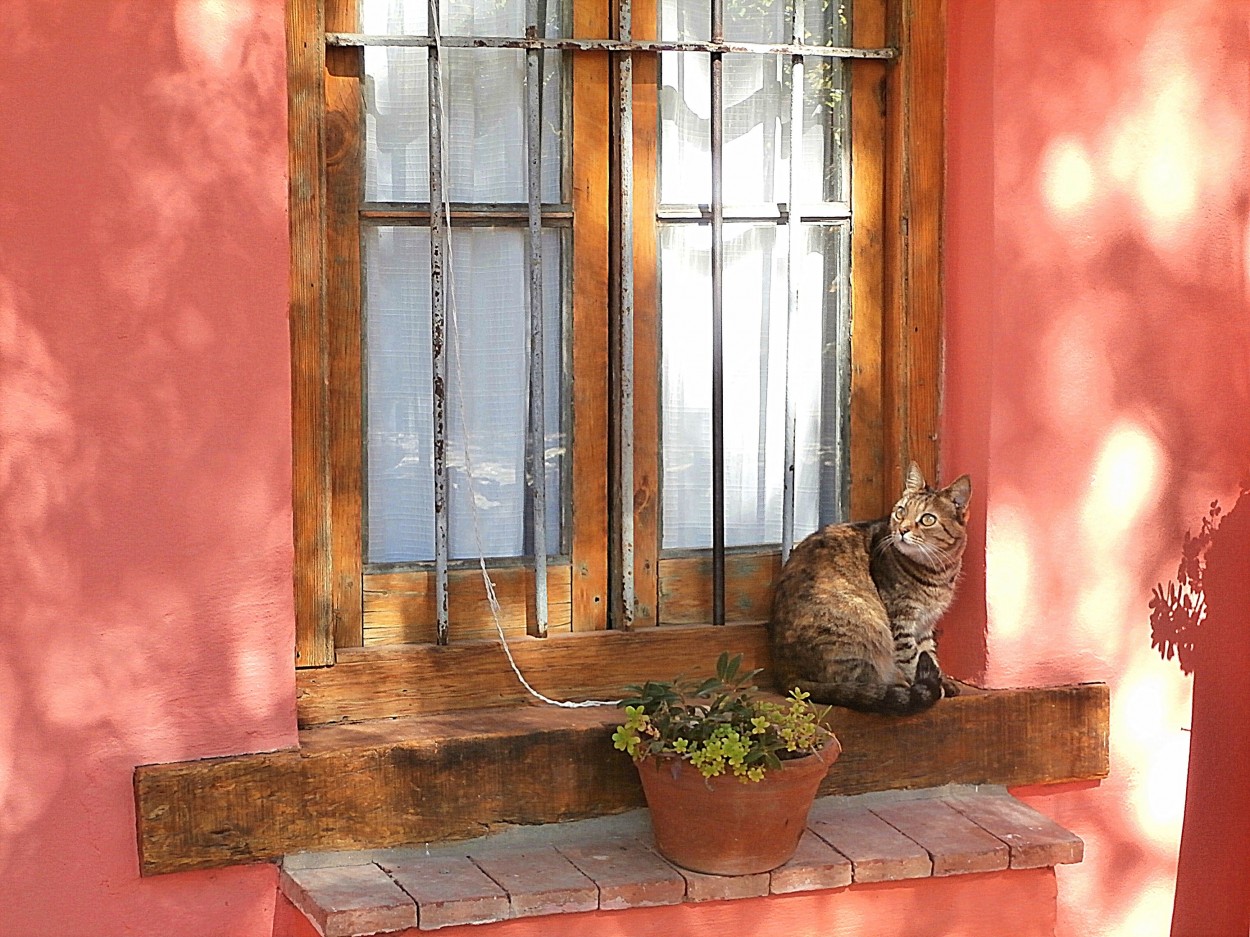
813,211
481,208
609,45
468,218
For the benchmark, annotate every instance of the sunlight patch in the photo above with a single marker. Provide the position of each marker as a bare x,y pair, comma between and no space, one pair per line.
1067,176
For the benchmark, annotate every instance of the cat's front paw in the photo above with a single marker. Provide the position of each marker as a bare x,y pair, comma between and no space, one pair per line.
949,686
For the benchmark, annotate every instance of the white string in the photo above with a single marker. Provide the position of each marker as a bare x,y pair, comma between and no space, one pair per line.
491,598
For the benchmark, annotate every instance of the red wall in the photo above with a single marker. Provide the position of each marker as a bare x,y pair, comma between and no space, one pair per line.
1097,388
145,546
1096,264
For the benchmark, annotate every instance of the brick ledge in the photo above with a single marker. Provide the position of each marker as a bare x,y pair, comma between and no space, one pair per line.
610,864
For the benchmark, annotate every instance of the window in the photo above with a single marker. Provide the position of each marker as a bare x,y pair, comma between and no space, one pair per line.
664,438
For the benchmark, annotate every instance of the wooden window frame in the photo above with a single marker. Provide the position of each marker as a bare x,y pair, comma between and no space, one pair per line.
897,155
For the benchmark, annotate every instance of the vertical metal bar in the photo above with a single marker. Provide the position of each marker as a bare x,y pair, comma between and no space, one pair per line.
718,376
537,442
438,328
625,324
793,228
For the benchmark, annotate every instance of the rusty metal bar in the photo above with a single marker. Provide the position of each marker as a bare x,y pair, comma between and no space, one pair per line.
438,330
793,229
611,45
535,15
717,133
624,441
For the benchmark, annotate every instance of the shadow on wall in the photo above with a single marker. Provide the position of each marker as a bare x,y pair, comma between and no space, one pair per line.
1199,620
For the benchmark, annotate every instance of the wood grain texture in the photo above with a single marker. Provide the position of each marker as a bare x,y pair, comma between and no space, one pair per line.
646,324
869,231
685,594
589,446
314,628
399,607
914,177
404,680
344,195
454,775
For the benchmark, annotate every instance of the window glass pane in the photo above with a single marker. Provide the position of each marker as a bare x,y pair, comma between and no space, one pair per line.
756,157
754,328
485,91
825,22
484,130
490,294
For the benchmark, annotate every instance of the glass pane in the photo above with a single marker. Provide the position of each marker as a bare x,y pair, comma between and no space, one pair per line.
484,129
754,329
459,17
756,156
490,290
825,22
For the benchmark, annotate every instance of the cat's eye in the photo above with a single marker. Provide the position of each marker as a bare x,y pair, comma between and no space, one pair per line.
927,520
898,513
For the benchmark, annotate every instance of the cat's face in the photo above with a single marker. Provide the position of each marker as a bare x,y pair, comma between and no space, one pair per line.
931,526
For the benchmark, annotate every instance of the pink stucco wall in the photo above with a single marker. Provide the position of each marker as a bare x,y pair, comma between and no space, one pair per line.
1099,376
1098,382
145,545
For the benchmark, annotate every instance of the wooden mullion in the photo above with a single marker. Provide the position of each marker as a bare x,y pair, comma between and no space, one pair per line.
314,620
869,233
646,323
344,163
399,607
685,598
914,171
589,459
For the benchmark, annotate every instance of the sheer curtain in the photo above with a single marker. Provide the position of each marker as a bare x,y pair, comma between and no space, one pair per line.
756,167
488,353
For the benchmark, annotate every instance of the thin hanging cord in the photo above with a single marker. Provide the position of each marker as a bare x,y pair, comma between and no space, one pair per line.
491,598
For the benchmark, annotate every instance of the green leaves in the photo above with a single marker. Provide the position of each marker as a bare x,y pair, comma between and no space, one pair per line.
721,725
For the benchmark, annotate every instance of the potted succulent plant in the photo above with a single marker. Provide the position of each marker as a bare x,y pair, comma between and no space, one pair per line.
729,773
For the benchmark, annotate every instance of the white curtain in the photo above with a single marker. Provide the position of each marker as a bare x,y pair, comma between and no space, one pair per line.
487,400
756,167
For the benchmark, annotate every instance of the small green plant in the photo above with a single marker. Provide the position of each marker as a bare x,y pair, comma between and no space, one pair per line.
721,725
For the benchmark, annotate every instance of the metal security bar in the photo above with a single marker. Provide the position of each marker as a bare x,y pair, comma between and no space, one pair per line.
535,17
438,330
717,130
438,212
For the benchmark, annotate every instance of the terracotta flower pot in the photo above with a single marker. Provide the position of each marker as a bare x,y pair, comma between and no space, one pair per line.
727,827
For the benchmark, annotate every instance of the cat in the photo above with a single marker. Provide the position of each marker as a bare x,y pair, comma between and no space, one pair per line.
855,606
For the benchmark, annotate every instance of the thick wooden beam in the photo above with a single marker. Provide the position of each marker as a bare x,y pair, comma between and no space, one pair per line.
410,680
454,775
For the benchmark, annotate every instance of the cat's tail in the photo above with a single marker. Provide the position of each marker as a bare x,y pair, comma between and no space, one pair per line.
891,699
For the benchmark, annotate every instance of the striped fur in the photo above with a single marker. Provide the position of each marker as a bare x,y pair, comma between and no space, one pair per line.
856,604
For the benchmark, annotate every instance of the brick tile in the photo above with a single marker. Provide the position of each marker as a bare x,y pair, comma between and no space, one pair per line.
815,864
1034,839
627,872
701,886
449,891
878,852
955,843
346,901
538,880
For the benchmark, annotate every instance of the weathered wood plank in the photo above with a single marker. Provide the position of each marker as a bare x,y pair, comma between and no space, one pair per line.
454,775
399,607
646,325
868,233
686,587
405,680
314,624
344,149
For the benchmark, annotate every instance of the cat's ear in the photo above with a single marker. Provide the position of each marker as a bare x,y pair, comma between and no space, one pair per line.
960,492
915,482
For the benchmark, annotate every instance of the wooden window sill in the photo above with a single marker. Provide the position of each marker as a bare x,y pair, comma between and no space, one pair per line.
610,864
446,776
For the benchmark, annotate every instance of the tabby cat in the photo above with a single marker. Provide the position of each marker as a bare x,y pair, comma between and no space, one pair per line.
856,604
